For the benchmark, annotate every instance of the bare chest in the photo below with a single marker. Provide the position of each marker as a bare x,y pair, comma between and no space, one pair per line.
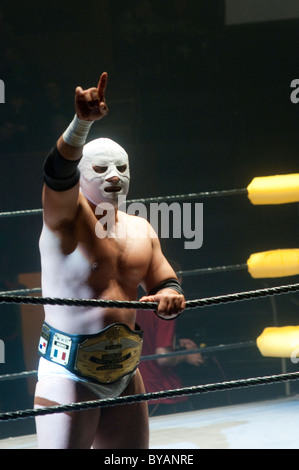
78,258
118,257
124,260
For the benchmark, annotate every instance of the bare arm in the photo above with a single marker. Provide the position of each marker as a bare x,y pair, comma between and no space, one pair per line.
195,359
170,302
61,206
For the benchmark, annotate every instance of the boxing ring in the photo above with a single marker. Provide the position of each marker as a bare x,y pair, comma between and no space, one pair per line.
250,426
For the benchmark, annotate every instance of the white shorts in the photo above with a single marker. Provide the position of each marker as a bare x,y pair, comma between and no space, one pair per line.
50,369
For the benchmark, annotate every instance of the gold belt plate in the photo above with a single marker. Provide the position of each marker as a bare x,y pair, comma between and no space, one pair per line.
110,355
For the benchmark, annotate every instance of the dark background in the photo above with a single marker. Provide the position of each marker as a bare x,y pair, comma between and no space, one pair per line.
199,105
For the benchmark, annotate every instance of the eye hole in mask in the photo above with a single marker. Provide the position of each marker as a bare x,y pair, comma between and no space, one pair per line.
100,169
122,168
103,169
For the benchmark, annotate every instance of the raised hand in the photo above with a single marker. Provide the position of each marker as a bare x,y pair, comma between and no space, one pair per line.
90,103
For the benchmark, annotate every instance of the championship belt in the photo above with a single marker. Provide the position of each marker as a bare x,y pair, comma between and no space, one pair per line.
109,356
103,357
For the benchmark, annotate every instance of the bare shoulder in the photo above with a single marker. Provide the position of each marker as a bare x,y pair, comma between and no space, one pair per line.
137,226
65,233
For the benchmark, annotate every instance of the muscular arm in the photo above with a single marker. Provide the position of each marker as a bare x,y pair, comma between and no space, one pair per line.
170,302
60,206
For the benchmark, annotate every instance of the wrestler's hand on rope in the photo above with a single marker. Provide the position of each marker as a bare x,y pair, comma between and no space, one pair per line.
170,303
90,103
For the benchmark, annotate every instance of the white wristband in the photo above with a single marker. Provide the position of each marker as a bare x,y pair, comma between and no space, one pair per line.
77,132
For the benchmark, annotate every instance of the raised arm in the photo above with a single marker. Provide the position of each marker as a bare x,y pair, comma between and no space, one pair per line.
61,175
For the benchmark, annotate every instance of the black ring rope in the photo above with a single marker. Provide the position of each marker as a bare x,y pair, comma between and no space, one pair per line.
130,399
190,272
228,298
177,197
216,269
18,375
201,195
201,350
21,291
4,215
183,352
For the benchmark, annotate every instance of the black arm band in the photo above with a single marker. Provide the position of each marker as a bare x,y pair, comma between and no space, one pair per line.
168,284
60,174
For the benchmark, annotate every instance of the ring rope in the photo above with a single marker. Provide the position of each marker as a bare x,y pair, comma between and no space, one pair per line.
4,215
18,375
130,399
183,352
279,189
190,272
228,298
201,195
176,197
216,269
203,349
21,291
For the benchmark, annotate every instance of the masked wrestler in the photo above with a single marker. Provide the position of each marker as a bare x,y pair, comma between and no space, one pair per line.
92,249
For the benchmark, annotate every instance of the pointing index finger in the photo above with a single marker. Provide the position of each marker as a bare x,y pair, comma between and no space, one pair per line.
102,86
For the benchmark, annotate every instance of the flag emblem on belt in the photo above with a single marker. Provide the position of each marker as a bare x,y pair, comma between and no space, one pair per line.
42,345
61,348
44,340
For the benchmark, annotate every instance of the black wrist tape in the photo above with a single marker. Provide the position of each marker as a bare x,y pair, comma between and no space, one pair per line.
168,284
60,174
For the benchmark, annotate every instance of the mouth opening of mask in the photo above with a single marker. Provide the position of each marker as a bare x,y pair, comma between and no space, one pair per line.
112,189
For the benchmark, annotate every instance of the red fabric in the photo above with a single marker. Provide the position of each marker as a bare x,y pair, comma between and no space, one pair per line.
157,333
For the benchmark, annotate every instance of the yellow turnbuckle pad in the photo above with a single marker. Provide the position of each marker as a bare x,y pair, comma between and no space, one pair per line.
280,341
277,189
274,263
110,355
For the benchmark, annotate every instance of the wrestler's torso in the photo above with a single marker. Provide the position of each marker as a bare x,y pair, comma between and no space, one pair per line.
76,263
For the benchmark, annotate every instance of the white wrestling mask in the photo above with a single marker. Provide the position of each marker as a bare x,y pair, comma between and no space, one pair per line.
104,169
